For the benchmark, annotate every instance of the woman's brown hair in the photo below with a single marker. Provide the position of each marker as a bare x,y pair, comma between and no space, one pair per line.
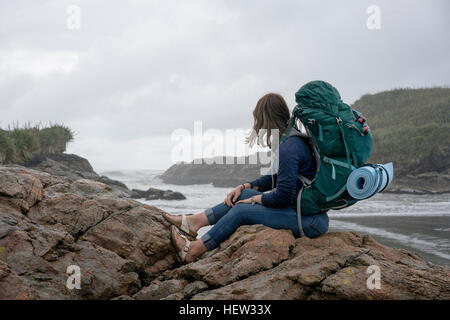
271,112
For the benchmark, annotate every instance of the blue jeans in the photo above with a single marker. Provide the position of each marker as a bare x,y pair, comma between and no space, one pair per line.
227,219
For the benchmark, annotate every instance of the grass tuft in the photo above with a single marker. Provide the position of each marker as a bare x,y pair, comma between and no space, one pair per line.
18,143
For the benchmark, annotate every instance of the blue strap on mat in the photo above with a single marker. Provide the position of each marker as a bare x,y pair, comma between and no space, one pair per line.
366,181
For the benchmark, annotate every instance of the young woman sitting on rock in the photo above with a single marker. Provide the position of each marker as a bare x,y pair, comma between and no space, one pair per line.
249,203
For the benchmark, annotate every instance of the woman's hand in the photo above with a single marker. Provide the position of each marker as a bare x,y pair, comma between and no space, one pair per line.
234,195
257,199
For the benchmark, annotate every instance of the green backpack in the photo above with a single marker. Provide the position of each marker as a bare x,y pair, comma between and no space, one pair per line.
340,140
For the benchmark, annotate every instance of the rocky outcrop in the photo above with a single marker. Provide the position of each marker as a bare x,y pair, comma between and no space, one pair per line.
123,250
155,194
73,167
231,175
423,183
219,171
76,167
220,175
48,223
261,263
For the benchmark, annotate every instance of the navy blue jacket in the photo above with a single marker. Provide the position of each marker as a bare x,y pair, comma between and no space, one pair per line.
295,157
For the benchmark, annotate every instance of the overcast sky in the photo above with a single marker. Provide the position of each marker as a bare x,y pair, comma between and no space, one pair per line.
136,71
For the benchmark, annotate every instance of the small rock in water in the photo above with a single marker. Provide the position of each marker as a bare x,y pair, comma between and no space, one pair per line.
155,194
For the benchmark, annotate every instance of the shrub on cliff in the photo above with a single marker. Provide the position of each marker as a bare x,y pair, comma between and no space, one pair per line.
26,142
18,144
7,148
54,139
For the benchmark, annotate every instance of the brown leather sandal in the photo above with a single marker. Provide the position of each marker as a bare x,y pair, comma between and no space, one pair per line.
180,254
184,226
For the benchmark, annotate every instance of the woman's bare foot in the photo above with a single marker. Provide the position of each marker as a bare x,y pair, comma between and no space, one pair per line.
194,222
196,248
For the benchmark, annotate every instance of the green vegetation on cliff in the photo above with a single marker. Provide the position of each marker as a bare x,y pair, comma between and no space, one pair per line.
18,144
411,127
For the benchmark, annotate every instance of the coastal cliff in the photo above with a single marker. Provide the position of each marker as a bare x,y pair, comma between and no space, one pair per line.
220,175
229,176
122,247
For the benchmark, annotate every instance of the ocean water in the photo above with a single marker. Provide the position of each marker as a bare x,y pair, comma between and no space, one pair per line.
419,223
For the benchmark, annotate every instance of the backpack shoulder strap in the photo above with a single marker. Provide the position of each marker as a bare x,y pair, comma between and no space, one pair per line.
316,156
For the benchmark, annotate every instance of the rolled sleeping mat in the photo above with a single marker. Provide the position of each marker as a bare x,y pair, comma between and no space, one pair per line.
366,181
